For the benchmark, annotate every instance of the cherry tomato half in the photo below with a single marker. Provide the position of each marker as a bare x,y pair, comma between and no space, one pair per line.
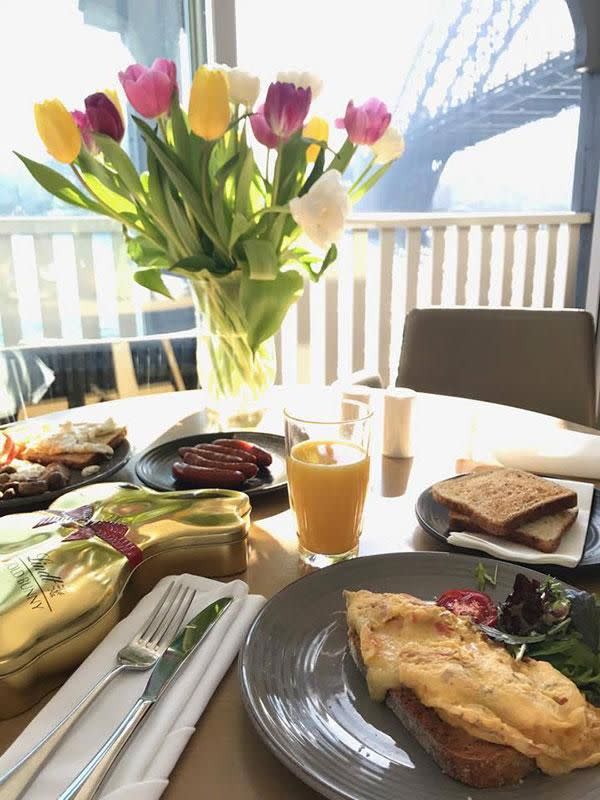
465,603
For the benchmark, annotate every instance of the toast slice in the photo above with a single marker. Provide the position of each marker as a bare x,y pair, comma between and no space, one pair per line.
545,534
500,501
79,460
463,757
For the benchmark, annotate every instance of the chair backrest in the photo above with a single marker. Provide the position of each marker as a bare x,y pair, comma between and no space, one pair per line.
538,359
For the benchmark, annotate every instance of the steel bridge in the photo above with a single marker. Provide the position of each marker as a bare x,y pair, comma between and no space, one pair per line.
536,93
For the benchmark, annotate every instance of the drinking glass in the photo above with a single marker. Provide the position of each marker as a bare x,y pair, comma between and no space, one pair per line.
328,474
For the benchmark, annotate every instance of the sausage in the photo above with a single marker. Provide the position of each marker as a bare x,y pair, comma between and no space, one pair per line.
263,458
211,455
227,451
57,476
247,469
202,477
31,487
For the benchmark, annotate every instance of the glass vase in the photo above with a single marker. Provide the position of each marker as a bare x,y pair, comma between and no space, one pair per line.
234,378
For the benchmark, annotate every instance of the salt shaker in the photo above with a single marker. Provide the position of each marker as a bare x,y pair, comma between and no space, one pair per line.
397,422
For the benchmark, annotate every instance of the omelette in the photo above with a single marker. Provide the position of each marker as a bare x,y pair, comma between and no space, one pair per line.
473,683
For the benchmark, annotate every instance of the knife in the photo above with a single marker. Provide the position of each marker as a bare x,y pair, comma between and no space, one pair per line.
89,780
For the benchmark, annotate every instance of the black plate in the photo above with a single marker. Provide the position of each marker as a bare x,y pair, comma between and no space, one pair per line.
434,519
154,466
107,468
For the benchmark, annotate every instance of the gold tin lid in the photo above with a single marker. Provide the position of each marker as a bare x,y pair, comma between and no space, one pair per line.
63,569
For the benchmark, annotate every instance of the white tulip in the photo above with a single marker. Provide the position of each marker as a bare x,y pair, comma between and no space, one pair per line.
389,147
243,87
322,211
303,80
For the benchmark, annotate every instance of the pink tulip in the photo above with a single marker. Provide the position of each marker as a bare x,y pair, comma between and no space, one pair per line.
150,89
365,124
85,129
286,107
261,130
103,116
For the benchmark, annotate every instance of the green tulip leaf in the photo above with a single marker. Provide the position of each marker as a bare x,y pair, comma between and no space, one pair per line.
156,192
152,279
219,204
115,201
239,226
262,259
242,195
307,261
59,186
266,303
195,264
145,253
183,227
181,133
110,179
291,169
118,158
330,257
175,172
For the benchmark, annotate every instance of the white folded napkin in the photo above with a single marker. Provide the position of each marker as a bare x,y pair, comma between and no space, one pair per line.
571,545
143,772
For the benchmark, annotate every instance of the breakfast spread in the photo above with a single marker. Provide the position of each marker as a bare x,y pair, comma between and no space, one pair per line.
491,692
39,458
222,463
509,503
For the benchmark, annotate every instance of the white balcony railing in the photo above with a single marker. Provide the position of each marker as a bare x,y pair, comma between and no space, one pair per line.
69,278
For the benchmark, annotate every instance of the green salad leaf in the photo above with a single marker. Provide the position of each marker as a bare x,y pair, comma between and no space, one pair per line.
557,624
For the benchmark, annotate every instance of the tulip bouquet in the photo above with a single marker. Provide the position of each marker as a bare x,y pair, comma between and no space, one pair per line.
244,235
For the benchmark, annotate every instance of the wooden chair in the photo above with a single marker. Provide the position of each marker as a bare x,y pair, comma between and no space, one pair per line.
537,359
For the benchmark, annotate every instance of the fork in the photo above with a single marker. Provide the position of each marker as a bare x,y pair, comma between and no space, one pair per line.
142,652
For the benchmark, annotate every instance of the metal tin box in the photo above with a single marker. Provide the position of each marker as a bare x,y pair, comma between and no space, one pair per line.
68,574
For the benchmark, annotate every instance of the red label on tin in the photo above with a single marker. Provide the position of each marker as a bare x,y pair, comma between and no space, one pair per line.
114,534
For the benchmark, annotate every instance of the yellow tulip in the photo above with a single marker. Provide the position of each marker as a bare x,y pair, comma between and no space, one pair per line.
58,130
209,112
315,128
114,98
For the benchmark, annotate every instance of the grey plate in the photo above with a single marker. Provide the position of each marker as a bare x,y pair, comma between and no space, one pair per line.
311,706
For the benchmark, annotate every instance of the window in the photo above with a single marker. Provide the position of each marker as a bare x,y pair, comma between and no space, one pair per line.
475,86
67,293
75,47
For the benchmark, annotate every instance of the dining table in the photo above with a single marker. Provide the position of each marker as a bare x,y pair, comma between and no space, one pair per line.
225,758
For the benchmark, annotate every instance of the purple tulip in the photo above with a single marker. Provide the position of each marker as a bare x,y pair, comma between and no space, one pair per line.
150,89
85,129
365,124
104,116
261,130
286,108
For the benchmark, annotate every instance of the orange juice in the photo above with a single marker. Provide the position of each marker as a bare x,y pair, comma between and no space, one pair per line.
328,484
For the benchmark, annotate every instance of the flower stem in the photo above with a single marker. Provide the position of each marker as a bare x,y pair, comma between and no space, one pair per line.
163,127
362,175
276,177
